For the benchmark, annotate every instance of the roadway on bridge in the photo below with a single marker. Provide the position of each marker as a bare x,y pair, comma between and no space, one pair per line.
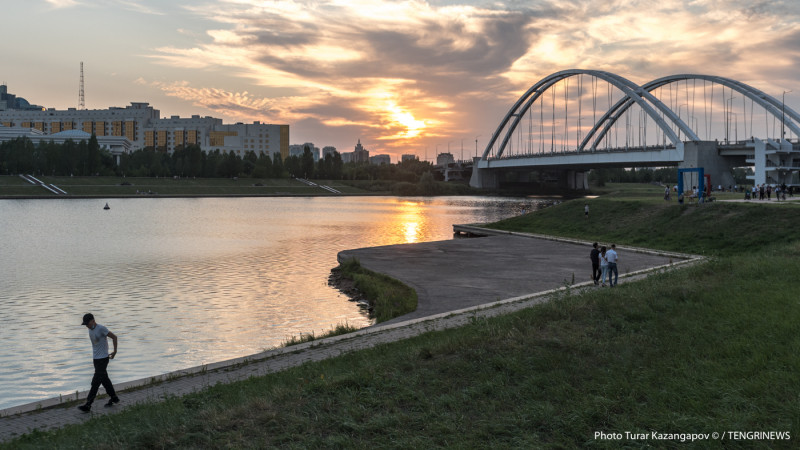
461,273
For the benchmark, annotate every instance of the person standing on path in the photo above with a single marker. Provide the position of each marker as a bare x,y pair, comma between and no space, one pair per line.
594,255
603,266
99,335
611,256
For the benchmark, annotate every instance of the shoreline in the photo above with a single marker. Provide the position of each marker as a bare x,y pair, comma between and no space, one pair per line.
336,280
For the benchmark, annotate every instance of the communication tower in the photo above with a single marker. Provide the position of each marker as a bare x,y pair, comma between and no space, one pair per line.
81,100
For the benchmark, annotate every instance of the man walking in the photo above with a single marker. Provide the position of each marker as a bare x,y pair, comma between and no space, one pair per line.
594,255
99,335
611,256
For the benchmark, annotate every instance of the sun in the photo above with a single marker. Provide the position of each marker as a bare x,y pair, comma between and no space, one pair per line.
413,126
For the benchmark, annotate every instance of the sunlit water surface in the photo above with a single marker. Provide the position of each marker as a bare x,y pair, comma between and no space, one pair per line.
185,282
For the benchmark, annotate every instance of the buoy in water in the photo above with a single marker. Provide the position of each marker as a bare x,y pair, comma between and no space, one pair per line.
106,207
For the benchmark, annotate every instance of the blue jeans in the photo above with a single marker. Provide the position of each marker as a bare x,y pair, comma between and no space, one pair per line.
604,270
612,268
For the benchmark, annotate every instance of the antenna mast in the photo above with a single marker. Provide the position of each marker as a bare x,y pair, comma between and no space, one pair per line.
81,100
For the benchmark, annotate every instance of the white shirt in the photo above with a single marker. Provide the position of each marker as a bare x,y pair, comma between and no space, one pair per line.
611,256
98,336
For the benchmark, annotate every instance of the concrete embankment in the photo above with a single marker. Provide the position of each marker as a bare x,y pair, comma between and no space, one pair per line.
461,273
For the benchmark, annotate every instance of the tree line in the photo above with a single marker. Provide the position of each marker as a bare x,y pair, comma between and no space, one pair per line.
665,175
87,158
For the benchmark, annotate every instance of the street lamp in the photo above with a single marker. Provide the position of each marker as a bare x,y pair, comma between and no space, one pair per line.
783,115
728,119
476,145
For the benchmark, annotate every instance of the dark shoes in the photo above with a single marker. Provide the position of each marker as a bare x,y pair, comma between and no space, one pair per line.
88,407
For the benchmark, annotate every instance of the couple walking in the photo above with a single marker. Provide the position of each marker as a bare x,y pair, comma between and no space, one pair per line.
604,263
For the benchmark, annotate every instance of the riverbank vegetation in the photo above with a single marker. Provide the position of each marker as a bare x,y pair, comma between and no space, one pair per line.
87,158
704,349
387,297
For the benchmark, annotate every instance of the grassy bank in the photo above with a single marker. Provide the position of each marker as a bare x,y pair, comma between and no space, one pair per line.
639,217
387,297
710,348
14,186
11,186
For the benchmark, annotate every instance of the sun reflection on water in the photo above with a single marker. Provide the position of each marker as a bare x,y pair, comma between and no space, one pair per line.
410,218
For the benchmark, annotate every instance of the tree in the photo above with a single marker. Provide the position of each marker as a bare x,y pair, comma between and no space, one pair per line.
249,162
93,156
277,166
263,167
307,163
293,166
427,184
337,167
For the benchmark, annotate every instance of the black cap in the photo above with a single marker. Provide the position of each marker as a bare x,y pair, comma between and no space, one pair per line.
87,318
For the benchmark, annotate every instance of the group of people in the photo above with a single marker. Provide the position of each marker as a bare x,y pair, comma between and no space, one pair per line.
604,265
764,191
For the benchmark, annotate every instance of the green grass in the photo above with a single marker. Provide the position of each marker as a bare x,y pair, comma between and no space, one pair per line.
388,298
130,186
342,328
712,228
708,348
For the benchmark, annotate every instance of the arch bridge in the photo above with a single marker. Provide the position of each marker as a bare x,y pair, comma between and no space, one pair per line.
576,120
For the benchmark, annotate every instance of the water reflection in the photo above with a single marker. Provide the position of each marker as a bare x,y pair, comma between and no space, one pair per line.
411,216
185,282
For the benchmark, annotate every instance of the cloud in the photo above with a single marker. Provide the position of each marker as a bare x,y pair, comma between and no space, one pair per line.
138,6
62,3
411,73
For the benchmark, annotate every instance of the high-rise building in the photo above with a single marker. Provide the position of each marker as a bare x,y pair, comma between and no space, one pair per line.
11,101
443,159
377,160
297,150
409,157
360,154
328,150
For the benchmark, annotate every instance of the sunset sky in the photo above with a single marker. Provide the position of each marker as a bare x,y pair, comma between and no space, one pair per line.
402,76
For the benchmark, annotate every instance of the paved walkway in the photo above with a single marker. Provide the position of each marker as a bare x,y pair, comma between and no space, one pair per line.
484,271
772,201
459,273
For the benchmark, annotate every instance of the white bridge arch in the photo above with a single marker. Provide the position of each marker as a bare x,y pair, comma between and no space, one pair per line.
585,154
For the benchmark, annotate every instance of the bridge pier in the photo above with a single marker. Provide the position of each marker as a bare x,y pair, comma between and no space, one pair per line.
774,162
705,154
483,178
575,179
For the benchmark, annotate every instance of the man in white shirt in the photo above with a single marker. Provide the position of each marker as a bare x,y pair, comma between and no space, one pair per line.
611,256
99,335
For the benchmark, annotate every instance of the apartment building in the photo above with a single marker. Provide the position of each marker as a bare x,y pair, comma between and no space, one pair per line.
142,125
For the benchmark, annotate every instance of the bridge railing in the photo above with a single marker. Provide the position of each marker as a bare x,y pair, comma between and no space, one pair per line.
578,152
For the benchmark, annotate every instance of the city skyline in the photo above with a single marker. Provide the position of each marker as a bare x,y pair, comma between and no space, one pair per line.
403,77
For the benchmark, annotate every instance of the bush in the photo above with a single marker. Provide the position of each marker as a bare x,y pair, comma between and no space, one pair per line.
405,188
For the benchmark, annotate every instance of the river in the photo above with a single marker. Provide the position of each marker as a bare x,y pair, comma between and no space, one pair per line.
185,282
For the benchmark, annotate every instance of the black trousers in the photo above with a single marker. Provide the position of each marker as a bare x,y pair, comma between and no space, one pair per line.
596,272
100,377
